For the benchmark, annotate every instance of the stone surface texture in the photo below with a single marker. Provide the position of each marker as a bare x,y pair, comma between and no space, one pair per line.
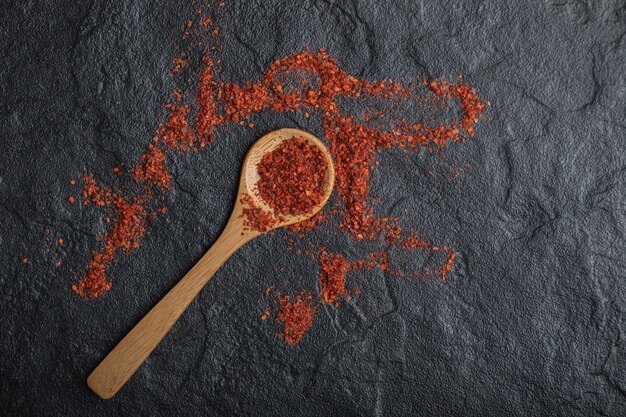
531,320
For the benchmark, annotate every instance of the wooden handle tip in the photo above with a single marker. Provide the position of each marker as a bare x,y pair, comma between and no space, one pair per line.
99,388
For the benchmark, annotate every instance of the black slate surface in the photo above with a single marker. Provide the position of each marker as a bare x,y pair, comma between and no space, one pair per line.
531,320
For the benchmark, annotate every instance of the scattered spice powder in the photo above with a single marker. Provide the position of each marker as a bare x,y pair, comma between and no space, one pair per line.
24,260
297,314
309,83
333,276
255,218
152,168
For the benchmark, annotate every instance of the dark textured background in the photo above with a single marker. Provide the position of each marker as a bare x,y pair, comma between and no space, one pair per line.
530,322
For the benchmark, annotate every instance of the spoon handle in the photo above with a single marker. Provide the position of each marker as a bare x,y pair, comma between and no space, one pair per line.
122,362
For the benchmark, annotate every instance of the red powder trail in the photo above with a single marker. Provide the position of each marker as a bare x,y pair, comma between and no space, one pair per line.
296,314
255,218
333,276
129,216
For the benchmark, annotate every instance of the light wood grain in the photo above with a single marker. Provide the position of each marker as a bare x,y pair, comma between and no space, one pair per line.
122,362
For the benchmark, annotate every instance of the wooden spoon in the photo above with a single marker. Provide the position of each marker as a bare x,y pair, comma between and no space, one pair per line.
119,365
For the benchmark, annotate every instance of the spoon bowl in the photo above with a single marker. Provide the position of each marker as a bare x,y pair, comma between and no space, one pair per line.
250,174
122,362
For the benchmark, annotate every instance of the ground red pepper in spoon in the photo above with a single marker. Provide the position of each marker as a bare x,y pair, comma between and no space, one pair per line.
291,177
291,180
255,218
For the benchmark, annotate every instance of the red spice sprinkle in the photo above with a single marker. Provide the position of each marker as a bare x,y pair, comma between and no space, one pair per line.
255,218
72,182
414,242
60,241
25,260
129,227
177,133
332,279
153,169
306,225
71,199
206,101
292,176
311,83
297,316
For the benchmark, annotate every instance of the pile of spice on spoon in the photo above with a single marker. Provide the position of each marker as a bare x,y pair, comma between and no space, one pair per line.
291,182
292,177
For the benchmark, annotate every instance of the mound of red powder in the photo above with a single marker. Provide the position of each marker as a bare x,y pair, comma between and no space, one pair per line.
292,177
296,314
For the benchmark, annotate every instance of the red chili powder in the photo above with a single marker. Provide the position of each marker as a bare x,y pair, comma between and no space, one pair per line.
310,83
291,180
307,225
333,276
255,218
129,226
292,177
152,168
354,144
297,314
